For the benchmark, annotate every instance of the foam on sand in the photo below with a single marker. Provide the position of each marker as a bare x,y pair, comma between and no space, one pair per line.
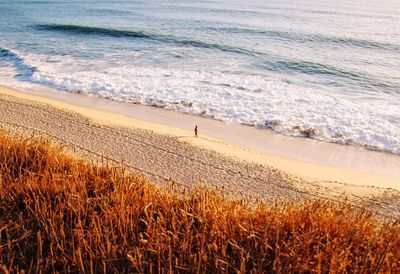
235,98
305,158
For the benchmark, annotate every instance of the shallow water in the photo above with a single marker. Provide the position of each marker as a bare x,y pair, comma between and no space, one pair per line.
324,70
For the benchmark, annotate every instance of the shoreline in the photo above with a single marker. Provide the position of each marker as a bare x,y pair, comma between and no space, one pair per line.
301,157
163,153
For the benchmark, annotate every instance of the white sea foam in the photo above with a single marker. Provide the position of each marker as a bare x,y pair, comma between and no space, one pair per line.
237,98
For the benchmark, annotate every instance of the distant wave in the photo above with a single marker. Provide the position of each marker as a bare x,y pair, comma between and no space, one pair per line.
198,9
313,38
312,68
88,30
104,11
269,62
95,30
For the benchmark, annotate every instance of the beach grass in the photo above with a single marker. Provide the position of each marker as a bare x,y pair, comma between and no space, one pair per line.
60,213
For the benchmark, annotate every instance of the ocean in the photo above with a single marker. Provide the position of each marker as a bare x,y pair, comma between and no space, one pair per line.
328,70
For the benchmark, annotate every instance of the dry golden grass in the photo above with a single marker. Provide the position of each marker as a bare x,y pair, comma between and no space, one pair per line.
61,214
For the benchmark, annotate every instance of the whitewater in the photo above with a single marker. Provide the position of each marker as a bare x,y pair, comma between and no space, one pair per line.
322,70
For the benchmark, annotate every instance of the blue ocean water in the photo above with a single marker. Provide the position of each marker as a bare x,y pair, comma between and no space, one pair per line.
328,70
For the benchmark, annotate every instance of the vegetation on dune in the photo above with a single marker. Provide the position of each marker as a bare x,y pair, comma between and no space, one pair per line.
62,214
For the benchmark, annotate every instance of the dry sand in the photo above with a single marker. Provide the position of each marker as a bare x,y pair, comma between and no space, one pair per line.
162,152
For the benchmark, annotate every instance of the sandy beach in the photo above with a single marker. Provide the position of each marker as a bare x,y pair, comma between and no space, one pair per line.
237,159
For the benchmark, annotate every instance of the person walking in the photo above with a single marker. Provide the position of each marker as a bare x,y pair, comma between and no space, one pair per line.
195,132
